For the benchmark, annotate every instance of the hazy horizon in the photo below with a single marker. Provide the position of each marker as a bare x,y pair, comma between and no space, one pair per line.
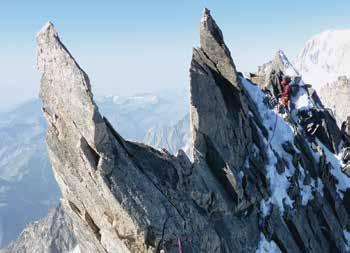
137,47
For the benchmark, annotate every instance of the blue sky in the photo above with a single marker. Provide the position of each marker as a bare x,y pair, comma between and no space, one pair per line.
129,47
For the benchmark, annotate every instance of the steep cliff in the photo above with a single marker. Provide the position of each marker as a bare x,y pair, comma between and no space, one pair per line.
257,182
336,96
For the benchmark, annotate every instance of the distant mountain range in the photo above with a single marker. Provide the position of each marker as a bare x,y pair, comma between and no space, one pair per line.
172,137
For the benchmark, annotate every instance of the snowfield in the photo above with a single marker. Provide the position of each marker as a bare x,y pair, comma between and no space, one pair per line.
281,132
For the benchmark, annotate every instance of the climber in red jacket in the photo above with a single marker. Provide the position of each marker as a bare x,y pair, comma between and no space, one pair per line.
284,96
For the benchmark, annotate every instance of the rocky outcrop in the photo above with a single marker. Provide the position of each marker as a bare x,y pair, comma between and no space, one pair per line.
122,196
346,153
256,182
268,71
216,97
24,163
52,234
335,96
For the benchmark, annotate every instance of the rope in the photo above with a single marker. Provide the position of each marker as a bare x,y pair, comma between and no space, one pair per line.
274,130
200,154
179,244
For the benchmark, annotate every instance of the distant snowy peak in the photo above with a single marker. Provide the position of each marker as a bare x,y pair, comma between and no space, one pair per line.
171,137
54,233
325,57
138,99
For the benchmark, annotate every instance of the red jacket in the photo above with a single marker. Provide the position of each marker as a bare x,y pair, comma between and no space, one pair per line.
286,89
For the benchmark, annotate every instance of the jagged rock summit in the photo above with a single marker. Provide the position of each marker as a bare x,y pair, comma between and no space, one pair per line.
257,183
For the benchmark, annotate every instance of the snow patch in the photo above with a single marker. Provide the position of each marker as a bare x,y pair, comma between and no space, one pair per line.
265,207
319,186
279,183
302,101
288,67
336,162
279,132
76,250
305,190
267,247
139,99
347,239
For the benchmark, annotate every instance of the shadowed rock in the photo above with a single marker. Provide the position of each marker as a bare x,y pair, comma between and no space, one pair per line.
216,96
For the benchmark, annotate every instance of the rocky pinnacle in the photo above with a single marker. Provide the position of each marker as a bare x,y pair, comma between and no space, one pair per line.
241,193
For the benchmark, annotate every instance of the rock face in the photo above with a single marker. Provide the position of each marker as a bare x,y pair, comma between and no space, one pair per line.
256,183
24,163
336,96
216,97
52,234
280,63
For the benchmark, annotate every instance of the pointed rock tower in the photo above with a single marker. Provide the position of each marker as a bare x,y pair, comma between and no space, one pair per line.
254,183
220,123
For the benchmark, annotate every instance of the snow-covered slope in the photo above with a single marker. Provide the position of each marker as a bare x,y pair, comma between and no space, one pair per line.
325,57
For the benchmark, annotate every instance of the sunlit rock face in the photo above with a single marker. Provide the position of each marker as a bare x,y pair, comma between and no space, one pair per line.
256,181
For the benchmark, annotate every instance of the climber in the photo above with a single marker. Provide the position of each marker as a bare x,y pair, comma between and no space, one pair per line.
285,95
